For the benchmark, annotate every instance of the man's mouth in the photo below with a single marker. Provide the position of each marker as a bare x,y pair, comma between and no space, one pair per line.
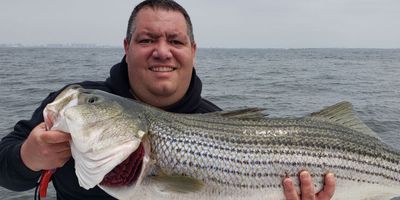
162,69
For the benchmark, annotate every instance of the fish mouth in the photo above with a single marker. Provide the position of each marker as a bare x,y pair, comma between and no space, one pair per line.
49,117
127,172
52,113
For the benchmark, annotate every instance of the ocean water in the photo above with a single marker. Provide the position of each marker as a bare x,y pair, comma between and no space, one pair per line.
287,82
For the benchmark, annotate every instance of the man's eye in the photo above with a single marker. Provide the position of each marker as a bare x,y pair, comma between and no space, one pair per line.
176,42
145,41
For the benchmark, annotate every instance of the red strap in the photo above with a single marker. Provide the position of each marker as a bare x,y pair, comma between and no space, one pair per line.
44,182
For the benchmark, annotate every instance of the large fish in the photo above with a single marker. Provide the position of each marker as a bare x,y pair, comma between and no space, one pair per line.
135,151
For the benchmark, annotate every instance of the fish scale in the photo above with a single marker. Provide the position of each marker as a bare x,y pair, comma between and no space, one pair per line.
201,136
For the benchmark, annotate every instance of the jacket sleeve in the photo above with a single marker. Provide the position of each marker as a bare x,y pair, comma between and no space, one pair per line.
14,175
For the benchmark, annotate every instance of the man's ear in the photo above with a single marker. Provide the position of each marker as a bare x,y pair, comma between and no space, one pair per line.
126,45
194,48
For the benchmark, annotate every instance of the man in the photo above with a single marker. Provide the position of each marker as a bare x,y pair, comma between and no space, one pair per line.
157,69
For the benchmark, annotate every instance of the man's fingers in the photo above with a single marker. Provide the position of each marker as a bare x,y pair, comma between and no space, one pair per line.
306,186
53,137
65,155
329,187
41,126
60,147
289,190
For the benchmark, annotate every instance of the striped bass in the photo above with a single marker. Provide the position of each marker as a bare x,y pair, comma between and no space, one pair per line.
223,155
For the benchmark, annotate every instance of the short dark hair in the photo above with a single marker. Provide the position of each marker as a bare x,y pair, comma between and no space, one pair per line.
169,5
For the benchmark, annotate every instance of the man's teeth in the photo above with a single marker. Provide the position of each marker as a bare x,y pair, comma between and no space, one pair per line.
162,69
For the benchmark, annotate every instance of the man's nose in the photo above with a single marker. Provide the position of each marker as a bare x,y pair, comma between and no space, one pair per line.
162,51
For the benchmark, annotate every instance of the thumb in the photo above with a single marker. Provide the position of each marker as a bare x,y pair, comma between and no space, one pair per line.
53,137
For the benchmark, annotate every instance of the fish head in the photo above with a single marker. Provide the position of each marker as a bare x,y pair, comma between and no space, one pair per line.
105,130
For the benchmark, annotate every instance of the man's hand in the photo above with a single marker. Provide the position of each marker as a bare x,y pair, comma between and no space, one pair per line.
307,188
45,149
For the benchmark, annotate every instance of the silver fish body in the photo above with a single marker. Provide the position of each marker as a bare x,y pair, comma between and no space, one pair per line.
228,155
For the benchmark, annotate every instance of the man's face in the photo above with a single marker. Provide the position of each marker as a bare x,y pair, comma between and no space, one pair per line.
160,57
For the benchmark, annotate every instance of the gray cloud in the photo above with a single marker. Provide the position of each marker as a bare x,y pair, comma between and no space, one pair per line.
217,23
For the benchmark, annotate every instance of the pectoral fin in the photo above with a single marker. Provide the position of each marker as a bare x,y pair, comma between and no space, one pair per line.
178,184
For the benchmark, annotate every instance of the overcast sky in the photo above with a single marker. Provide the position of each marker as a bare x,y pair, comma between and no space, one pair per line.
217,23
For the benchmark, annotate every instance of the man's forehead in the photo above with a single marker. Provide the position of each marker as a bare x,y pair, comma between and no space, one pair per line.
152,33
144,22
149,10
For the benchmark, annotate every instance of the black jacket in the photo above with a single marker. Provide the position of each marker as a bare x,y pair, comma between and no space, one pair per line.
14,175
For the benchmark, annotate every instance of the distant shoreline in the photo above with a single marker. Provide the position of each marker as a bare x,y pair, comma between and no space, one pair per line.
18,45
94,46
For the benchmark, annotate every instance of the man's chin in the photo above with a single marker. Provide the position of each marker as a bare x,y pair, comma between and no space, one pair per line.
164,90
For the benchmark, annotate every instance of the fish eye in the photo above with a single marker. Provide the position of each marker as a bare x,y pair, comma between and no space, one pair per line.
92,99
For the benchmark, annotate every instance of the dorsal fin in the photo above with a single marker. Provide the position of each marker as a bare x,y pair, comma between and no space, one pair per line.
245,113
342,113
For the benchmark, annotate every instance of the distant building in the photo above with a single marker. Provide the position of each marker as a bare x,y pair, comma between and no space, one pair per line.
83,45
